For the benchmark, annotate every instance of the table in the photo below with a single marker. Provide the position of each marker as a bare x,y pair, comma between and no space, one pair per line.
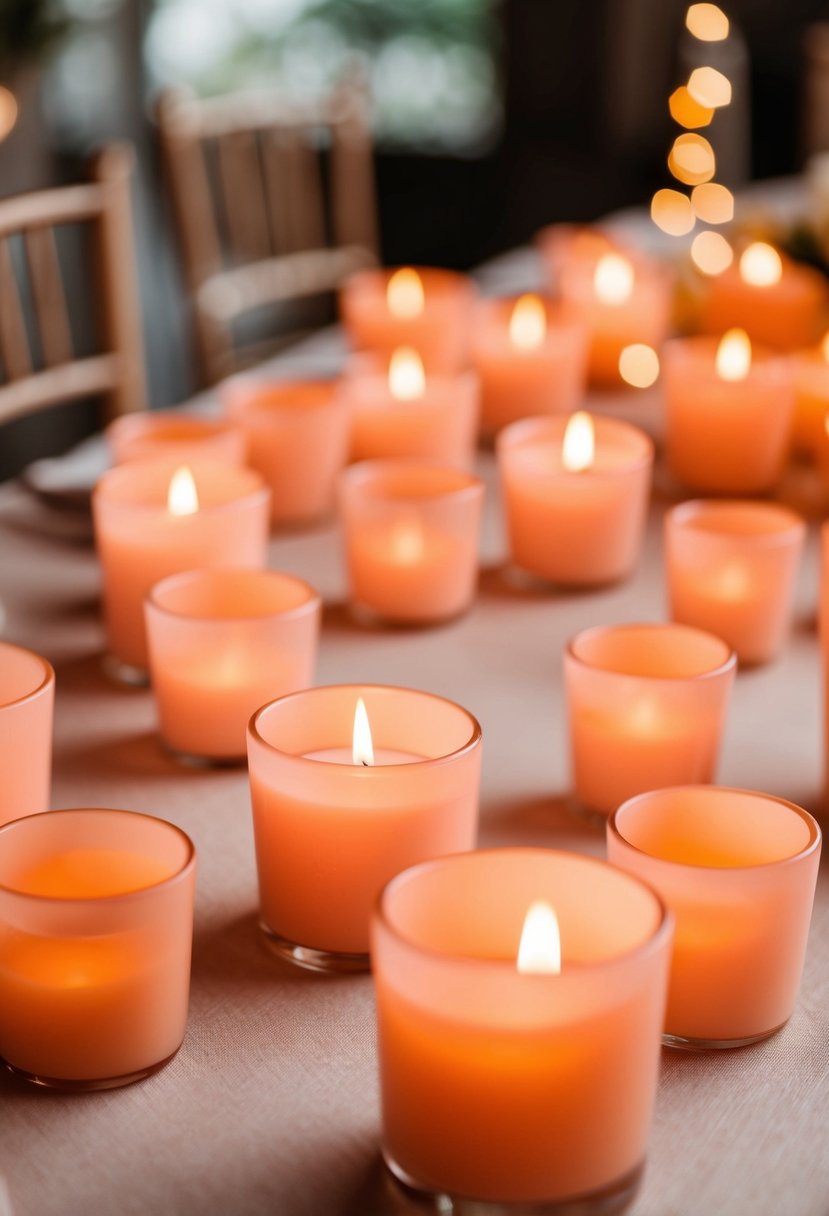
271,1108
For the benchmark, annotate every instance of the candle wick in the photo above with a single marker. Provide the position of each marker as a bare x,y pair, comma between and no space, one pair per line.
364,763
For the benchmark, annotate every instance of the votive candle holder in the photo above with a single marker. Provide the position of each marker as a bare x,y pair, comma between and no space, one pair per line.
27,701
174,435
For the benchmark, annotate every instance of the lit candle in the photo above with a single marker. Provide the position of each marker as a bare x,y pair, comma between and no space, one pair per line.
411,539
518,1067
621,301
174,435
222,643
731,569
573,245
728,411
397,409
96,916
576,496
343,801
531,359
27,698
646,706
153,519
778,302
297,434
422,307
738,869
811,386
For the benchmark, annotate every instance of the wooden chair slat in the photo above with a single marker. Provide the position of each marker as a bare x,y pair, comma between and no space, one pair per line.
243,196
49,298
14,339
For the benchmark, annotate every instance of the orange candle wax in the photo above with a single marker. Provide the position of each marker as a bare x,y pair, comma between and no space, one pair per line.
778,302
531,358
422,307
728,413
27,699
646,708
96,911
731,569
576,496
738,869
174,435
222,643
507,1079
411,539
147,527
811,385
333,824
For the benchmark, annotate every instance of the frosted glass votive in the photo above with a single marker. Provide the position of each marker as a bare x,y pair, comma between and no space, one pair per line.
27,700
174,435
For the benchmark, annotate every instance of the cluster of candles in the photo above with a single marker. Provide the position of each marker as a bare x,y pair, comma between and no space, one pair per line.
521,993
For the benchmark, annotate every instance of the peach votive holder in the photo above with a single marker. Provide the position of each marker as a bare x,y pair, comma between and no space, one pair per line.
726,436
334,822
174,435
96,926
221,643
646,706
787,314
502,1084
562,245
410,531
431,310
575,528
27,701
738,869
529,363
143,534
811,386
437,422
297,434
731,568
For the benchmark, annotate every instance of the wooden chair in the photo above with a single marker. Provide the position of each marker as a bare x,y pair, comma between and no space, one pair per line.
273,204
47,371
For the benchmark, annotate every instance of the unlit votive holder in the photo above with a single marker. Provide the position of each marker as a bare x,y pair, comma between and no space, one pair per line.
174,435
575,528
330,832
27,699
522,377
297,434
731,569
222,643
435,320
140,540
646,706
411,539
531,1092
738,869
96,926
439,423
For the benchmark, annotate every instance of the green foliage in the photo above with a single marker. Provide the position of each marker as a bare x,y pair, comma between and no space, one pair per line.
28,30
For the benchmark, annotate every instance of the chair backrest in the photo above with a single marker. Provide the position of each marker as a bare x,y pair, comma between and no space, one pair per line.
38,363
273,203
815,125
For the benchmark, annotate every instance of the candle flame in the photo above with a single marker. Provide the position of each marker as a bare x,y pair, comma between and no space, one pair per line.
639,365
407,379
362,747
404,294
182,496
734,355
709,87
407,542
707,22
539,951
528,323
824,347
613,279
578,448
761,265
711,253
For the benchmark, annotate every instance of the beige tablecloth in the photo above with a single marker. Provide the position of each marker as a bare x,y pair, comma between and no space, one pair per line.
270,1108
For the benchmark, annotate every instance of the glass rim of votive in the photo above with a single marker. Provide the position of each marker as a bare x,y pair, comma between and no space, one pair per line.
689,515
761,355
240,574
728,663
705,791
157,420
363,472
43,818
270,394
302,761
650,944
372,367
47,679
526,430
108,489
